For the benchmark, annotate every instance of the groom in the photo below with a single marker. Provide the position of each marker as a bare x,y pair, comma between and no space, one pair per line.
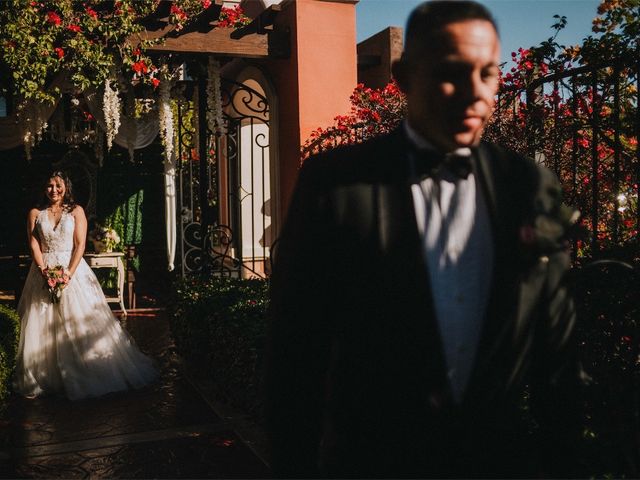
418,292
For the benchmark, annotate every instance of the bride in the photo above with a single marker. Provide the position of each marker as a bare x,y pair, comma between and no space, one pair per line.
73,346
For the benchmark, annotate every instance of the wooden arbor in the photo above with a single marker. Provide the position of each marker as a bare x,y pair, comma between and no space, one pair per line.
224,190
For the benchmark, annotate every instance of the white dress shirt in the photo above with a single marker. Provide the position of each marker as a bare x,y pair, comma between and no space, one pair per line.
454,224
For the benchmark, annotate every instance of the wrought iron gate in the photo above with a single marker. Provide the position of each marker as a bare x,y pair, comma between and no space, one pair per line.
224,183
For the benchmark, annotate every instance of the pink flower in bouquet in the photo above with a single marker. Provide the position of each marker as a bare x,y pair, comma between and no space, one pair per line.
56,281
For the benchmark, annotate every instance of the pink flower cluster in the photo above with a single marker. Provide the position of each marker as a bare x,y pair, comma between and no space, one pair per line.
56,281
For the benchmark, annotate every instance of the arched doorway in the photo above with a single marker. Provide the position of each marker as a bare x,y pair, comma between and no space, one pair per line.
226,196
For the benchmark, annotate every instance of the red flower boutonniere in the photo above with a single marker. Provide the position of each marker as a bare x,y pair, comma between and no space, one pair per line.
548,232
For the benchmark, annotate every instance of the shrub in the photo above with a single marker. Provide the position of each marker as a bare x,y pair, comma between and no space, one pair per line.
609,319
219,326
9,336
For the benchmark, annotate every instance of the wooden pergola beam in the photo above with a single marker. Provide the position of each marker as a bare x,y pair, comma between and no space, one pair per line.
217,41
202,35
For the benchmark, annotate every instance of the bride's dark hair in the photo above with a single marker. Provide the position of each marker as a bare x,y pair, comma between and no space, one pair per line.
68,202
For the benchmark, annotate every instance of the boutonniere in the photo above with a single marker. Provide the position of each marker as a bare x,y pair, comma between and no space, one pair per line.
548,232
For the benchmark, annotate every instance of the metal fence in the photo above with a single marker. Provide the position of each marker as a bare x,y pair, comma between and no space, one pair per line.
583,123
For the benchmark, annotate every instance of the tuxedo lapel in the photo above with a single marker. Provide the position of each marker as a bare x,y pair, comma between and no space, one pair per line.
485,177
504,292
401,243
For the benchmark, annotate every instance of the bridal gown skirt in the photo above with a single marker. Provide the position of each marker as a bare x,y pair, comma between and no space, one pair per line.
77,347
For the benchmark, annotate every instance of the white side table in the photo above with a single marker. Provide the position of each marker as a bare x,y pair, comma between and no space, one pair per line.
110,260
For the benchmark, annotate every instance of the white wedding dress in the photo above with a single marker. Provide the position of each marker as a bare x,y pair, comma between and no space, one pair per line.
77,347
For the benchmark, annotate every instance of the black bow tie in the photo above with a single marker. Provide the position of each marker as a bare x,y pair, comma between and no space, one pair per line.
429,163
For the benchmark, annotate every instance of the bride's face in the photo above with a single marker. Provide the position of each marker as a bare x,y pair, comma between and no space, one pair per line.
56,190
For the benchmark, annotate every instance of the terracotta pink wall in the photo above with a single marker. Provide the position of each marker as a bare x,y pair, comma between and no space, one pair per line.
327,61
314,84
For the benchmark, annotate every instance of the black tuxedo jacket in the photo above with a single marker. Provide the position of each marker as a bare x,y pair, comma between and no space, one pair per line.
356,380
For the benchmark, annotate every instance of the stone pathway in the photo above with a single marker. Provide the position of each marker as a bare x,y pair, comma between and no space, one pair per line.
168,430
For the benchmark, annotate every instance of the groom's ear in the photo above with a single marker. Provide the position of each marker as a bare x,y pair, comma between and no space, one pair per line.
399,70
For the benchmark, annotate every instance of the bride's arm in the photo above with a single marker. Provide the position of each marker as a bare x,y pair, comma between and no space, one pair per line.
34,244
79,238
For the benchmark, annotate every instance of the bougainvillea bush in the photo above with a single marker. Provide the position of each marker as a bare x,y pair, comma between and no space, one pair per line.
575,109
373,112
92,40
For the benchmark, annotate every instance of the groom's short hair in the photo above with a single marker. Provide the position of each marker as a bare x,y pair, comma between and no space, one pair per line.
428,18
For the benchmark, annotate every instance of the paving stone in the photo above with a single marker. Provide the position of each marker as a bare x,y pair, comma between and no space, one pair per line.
220,455
162,431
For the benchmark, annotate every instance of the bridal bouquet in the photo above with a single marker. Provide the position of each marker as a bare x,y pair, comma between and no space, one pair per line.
57,279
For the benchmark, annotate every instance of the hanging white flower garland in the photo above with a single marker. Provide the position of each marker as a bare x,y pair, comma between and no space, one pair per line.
111,108
165,114
214,98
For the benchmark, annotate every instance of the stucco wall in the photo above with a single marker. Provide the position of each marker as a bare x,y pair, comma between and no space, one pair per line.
314,84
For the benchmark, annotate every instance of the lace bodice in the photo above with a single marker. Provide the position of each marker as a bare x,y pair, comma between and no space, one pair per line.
55,238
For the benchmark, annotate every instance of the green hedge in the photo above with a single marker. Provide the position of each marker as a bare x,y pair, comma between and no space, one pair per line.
219,326
9,337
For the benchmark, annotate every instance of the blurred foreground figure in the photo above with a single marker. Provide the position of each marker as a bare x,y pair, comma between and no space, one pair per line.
418,287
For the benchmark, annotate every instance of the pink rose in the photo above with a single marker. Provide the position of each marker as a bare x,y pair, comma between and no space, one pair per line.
51,282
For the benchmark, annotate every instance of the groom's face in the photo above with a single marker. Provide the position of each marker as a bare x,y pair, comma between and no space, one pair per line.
451,83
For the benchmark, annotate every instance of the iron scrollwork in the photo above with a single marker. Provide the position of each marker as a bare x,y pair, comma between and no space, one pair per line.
219,260
240,102
211,229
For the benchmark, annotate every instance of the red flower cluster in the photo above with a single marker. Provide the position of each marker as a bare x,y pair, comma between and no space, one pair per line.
177,16
59,51
373,112
232,17
140,67
54,18
91,12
